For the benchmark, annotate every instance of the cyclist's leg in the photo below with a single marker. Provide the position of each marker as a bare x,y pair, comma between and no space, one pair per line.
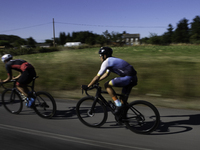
126,90
108,86
117,82
22,83
25,78
23,89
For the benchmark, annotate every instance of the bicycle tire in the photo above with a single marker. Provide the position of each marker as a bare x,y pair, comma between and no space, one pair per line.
96,118
12,101
146,120
44,105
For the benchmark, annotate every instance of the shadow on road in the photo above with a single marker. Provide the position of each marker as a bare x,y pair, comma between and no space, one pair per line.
66,114
184,124
172,124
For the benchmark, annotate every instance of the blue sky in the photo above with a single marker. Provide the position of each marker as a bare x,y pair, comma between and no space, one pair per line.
33,18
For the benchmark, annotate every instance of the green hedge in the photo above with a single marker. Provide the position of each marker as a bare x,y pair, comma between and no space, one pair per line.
25,51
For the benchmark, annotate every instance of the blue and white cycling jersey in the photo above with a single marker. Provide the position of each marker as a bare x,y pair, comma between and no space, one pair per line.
118,66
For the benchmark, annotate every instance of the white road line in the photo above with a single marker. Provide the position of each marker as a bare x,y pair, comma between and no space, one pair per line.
68,138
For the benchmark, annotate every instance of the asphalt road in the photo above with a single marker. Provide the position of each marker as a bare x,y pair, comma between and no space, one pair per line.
178,130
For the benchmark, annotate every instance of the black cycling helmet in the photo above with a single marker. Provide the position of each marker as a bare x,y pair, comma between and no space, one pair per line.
106,51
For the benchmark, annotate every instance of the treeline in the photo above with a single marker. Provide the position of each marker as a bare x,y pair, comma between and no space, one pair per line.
184,32
86,37
90,38
13,41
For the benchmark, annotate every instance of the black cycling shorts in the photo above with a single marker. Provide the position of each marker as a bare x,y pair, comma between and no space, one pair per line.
26,77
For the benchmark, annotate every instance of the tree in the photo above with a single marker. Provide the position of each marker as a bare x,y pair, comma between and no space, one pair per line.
167,36
49,41
19,42
31,42
4,43
100,39
68,38
195,30
155,39
62,38
107,36
145,40
181,34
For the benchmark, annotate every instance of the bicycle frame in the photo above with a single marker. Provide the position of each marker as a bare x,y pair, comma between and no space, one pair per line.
98,96
139,116
14,88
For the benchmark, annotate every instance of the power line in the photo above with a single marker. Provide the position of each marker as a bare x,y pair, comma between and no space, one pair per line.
111,25
25,27
78,24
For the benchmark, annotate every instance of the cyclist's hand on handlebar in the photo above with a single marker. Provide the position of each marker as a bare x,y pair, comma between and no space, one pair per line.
84,87
1,82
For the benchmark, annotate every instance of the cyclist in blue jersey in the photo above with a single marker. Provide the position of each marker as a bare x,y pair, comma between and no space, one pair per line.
127,75
26,74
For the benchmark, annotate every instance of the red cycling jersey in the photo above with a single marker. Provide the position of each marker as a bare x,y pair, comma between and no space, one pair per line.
18,64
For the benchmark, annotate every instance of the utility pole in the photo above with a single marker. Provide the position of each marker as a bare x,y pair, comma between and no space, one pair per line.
54,43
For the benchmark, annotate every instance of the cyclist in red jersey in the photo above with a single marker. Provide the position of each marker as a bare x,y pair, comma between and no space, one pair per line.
26,74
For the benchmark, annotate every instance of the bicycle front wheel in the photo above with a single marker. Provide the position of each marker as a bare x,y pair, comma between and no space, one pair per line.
12,101
44,105
92,118
142,117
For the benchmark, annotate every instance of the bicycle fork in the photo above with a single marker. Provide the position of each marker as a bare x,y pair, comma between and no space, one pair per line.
91,110
12,96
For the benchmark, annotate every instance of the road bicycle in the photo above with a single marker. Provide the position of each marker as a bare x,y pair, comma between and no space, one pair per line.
12,100
139,116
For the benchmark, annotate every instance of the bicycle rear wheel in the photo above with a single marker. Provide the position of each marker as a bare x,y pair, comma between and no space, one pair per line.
142,117
95,118
44,105
12,101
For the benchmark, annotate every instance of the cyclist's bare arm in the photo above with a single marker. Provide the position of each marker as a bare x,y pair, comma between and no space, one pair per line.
10,78
7,79
94,80
98,78
105,75
14,78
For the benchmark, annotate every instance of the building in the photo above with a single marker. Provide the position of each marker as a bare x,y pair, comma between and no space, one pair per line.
70,44
131,39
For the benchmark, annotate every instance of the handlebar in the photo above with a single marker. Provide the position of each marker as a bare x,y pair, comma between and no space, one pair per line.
94,86
13,80
2,83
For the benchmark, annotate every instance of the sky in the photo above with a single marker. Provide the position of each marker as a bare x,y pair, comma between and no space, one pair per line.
34,18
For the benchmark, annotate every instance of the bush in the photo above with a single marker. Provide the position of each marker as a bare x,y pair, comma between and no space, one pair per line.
25,51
